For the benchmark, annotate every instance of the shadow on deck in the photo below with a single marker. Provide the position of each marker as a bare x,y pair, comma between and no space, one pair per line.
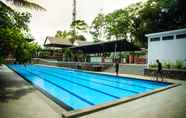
12,88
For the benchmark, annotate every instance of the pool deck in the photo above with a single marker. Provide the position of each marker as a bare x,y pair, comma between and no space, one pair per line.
18,99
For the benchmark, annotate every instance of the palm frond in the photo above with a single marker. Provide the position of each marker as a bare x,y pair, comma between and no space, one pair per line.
26,4
2,4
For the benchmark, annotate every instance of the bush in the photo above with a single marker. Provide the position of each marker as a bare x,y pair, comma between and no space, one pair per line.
167,65
153,65
179,65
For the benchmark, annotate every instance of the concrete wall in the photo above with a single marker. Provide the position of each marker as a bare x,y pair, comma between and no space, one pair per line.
167,50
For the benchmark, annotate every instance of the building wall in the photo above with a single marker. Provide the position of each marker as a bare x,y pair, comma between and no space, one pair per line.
167,50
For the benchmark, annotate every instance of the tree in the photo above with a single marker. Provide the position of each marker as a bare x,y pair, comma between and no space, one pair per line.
145,17
79,37
152,16
14,35
68,35
25,51
80,27
98,27
117,24
63,34
67,54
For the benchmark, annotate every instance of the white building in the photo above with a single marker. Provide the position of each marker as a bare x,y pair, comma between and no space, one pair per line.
169,46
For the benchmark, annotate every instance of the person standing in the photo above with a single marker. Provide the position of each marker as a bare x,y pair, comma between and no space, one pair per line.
117,67
159,70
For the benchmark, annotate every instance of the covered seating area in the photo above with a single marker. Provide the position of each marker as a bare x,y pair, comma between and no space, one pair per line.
94,51
110,46
91,47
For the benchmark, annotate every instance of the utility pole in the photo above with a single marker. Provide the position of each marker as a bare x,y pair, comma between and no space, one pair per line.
74,17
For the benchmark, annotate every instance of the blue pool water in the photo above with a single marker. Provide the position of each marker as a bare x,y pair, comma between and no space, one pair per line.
78,89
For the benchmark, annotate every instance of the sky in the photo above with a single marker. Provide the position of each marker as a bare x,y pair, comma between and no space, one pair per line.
59,15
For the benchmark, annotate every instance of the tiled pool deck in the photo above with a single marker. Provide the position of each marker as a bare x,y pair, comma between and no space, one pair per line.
18,99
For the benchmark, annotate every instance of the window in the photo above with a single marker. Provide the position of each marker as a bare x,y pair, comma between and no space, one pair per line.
168,38
180,36
155,39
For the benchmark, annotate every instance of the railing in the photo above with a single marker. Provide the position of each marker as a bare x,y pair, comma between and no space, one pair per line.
167,73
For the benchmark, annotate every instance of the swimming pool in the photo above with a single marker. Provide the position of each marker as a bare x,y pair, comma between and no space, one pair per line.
78,89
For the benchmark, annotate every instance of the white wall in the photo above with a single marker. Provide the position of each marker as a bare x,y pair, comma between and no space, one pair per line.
166,50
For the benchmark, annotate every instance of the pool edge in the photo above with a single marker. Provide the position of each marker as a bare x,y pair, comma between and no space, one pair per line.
82,112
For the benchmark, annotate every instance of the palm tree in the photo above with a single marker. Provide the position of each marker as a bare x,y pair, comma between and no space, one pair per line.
80,27
22,3
63,34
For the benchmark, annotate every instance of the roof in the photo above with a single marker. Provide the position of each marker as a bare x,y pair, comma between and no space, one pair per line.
57,42
82,43
91,47
178,31
109,46
62,43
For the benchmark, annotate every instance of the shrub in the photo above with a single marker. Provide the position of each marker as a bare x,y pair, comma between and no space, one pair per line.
179,64
167,65
153,65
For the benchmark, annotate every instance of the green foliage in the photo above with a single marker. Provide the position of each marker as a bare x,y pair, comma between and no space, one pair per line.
63,34
68,35
141,18
22,20
79,56
117,24
25,51
10,38
81,38
67,54
14,36
80,25
179,64
167,65
138,53
97,28
25,4
70,55
72,36
153,65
